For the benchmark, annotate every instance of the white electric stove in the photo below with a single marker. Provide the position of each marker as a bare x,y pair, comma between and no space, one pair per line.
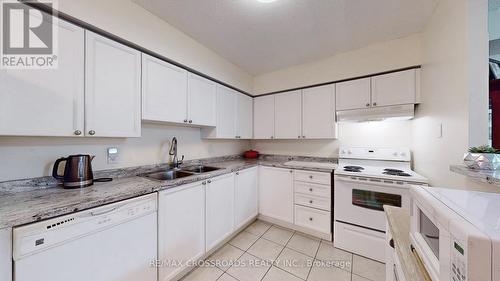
365,180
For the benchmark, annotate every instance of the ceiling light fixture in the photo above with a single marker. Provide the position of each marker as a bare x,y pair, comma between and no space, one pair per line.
266,1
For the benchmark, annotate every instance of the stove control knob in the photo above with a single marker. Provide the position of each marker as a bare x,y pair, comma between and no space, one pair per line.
349,152
395,154
403,154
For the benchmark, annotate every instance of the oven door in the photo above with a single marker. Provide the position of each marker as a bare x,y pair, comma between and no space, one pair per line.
361,203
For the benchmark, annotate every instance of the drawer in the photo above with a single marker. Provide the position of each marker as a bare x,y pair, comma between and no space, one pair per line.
313,177
312,218
313,201
313,189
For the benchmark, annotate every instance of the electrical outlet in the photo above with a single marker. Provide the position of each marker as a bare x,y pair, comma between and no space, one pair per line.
113,155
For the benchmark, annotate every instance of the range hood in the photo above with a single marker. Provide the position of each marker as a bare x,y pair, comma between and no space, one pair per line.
393,112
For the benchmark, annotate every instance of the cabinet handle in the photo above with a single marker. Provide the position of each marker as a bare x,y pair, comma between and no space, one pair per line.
272,137
310,189
78,132
190,121
237,173
310,176
310,201
374,104
185,120
298,137
209,181
291,171
391,243
311,219
204,182
303,137
91,132
367,105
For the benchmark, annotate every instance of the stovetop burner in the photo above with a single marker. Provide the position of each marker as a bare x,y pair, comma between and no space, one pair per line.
396,173
393,170
355,169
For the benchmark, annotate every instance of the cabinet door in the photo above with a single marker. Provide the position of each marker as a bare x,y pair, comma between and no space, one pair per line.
263,117
318,113
276,193
47,102
353,94
245,118
113,88
202,101
219,209
226,112
164,91
288,115
245,194
394,88
181,227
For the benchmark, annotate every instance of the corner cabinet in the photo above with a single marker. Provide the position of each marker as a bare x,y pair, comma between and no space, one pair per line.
47,102
276,193
219,209
181,227
245,196
234,116
113,88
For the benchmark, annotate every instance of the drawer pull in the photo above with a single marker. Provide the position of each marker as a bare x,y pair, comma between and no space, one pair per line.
310,189
311,219
310,201
310,176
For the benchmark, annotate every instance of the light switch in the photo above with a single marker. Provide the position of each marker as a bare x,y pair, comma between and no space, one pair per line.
439,131
113,155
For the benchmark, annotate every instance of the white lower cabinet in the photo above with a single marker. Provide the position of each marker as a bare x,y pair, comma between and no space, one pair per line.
219,209
181,227
276,193
245,196
312,218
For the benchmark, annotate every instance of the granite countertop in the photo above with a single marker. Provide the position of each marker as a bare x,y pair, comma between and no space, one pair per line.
399,224
31,200
487,176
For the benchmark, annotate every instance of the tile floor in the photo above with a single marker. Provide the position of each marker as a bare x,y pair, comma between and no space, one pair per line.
271,253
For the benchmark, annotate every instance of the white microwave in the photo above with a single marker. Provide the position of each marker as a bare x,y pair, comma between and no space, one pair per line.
456,233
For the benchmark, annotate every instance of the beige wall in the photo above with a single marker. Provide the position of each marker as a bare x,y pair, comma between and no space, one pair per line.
375,58
450,79
25,157
367,134
131,22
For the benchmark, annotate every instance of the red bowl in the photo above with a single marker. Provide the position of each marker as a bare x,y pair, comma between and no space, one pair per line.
251,154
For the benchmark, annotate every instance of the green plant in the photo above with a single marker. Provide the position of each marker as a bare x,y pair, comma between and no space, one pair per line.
484,149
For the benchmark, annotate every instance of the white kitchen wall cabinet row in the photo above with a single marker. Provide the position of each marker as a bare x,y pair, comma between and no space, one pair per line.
96,92
196,218
395,88
234,116
300,114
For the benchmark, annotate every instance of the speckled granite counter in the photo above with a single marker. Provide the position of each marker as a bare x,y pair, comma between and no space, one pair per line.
32,200
491,177
399,225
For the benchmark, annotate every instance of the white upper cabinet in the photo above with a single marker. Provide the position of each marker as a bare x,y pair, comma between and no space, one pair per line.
353,94
244,120
113,88
202,101
394,88
181,227
164,91
276,193
288,115
318,113
263,117
219,209
245,196
47,102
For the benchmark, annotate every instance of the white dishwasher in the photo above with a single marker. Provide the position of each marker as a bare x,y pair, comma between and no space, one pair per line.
116,242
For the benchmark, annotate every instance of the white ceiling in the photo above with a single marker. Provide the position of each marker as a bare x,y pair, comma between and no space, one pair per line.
262,37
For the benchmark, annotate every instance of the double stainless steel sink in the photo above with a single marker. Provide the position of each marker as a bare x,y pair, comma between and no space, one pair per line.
172,174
